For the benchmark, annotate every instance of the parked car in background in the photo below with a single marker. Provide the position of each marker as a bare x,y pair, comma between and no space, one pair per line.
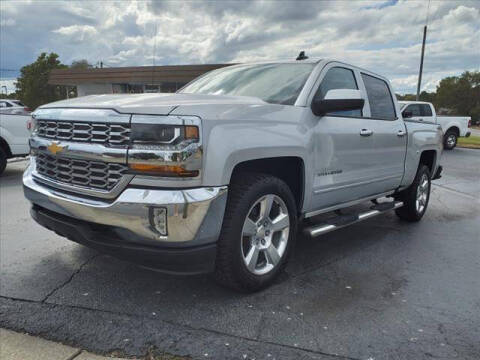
453,127
216,177
14,135
9,106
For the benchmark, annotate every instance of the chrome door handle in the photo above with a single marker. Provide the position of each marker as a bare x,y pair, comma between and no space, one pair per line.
401,133
366,132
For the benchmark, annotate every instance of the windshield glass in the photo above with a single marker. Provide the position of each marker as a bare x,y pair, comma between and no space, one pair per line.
273,83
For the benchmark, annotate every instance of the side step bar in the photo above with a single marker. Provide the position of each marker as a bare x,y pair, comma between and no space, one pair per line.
345,220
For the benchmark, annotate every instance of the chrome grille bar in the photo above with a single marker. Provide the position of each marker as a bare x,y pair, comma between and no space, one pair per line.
105,133
92,174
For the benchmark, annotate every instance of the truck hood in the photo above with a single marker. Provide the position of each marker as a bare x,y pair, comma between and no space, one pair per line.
155,104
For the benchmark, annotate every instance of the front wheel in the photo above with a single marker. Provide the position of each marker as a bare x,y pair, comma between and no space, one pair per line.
450,140
258,231
416,197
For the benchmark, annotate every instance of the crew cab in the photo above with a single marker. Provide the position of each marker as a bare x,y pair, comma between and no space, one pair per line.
453,127
220,176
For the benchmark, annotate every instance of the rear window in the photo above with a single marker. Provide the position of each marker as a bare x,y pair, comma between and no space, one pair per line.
379,98
16,102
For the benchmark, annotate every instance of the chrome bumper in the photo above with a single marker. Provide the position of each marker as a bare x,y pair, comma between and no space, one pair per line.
194,216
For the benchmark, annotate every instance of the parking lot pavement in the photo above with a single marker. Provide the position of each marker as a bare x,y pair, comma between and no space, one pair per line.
379,289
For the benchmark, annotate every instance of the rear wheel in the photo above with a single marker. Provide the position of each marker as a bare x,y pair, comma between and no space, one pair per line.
258,230
416,197
3,161
450,140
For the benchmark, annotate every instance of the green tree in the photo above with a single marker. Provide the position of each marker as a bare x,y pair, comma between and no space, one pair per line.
461,93
81,65
33,88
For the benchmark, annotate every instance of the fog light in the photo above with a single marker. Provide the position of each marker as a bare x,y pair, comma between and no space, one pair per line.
158,220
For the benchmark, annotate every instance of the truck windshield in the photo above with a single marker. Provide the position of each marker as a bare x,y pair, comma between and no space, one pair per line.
273,83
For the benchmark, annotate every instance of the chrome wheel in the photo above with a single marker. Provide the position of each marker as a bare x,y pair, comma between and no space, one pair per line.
451,139
422,194
265,234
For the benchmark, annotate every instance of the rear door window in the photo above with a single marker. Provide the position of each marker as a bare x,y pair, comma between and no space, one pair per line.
426,110
379,98
338,78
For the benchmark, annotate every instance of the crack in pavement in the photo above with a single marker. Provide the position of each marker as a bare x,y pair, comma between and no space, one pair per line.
186,327
80,268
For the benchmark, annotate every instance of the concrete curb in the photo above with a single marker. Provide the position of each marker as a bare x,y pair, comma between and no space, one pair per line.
17,346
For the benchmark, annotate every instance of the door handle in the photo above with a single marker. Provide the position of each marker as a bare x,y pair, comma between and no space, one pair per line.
420,119
401,133
366,132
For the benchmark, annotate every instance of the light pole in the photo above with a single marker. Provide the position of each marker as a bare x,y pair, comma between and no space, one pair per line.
421,62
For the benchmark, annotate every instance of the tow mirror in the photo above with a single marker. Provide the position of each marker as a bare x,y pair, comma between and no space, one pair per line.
407,114
338,100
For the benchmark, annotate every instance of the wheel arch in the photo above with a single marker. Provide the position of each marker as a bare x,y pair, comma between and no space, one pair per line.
290,169
455,129
5,147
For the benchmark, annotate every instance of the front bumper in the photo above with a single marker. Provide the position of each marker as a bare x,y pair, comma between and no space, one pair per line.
194,216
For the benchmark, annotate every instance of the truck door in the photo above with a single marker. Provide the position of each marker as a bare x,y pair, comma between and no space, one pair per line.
357,153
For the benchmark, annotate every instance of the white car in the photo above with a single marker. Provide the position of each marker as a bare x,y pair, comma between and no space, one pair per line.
14,135
453,127
10,106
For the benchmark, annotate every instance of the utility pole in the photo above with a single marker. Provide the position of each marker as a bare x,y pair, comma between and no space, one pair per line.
421,62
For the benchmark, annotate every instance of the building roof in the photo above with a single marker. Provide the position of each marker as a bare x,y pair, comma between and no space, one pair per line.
132,75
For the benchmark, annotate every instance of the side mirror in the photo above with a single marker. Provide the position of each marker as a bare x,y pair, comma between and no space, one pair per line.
338,100
407,114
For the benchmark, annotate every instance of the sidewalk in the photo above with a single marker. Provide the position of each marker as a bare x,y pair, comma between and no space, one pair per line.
16,346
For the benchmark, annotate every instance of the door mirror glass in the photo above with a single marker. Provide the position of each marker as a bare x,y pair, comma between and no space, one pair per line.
338,100
407,114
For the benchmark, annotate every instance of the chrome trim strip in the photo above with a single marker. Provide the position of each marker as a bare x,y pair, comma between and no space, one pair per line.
82,151
366,182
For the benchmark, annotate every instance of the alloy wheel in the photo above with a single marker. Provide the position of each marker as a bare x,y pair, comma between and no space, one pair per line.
265,234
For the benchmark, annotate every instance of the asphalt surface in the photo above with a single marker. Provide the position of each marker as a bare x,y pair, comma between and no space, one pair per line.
381,289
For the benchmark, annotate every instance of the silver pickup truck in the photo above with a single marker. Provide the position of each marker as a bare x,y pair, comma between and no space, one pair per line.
219,176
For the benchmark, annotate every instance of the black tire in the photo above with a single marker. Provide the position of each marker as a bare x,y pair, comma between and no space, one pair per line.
450,140
230,268
410,211
3,161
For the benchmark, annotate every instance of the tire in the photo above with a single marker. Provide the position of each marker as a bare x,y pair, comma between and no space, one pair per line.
411,210
450,140
241,236
3,161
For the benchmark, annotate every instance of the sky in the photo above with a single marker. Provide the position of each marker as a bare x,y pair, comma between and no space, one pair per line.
381,36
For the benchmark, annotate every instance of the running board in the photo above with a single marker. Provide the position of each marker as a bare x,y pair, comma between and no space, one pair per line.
345,220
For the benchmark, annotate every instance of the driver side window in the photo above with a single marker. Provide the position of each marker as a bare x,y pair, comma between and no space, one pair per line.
338,78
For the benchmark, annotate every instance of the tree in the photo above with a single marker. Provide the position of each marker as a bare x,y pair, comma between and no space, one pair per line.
461,94
81,65
33,88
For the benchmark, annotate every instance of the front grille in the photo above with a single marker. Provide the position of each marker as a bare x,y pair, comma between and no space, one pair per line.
92,174
114,134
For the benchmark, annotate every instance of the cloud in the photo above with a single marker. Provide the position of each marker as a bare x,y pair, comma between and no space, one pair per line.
77,32
381,36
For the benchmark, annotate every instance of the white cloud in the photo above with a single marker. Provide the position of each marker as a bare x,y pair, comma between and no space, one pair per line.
79,32
381,36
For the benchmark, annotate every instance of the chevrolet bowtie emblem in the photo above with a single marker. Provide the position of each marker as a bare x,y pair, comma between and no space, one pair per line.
54,148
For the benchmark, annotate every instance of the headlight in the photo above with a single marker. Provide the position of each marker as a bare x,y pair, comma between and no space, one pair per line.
172,135
167,146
